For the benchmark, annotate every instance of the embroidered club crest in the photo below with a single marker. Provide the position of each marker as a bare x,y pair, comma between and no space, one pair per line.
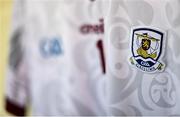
147,49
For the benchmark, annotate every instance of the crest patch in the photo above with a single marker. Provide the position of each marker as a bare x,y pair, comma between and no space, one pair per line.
147,49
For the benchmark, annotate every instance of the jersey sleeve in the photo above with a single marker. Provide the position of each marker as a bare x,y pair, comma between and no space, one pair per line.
17,79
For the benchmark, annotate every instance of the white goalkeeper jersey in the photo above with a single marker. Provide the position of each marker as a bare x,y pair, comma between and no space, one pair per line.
56,59
143,57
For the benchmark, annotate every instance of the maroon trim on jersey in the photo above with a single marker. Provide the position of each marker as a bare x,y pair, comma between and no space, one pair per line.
101,49
14,109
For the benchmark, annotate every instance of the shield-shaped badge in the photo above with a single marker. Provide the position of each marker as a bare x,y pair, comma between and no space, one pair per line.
147,49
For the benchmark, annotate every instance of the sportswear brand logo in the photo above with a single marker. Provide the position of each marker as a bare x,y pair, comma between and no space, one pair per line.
147,49
89,28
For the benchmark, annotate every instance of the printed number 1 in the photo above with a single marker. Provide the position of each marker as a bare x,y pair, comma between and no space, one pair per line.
101,52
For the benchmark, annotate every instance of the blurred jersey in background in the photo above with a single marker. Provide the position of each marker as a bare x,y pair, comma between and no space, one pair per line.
56,58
